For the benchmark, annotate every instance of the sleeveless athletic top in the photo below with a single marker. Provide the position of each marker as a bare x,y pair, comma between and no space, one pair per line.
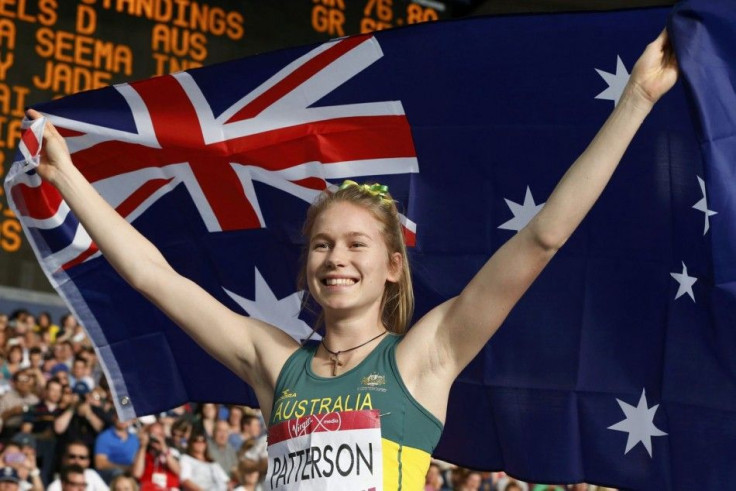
408,432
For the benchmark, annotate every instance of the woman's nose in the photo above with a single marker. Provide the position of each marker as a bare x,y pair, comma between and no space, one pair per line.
335,258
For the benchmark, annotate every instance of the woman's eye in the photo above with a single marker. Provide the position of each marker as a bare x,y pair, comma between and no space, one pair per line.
358,244
319,245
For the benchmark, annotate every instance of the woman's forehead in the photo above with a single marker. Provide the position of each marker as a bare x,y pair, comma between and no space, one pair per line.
343,218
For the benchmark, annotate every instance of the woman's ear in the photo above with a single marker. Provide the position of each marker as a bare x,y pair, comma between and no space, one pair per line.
395,267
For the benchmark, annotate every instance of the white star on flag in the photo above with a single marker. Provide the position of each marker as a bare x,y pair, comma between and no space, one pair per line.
639,424
283,313
616,82
702,205
522,213
686,283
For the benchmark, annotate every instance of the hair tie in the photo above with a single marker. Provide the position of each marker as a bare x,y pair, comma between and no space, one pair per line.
380,190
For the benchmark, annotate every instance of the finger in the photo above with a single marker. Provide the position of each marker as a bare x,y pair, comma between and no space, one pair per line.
33,114
668,52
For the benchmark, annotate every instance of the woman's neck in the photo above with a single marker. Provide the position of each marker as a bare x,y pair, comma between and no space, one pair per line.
343,333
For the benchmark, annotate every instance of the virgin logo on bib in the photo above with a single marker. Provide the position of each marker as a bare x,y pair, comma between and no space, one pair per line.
333,451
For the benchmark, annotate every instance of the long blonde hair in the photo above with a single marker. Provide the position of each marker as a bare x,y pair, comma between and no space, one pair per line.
397,304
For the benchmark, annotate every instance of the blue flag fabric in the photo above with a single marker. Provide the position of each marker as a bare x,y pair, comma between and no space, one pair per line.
615,368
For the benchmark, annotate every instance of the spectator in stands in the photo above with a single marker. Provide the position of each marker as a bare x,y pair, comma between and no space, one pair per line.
61,357
95,370
67,326
13,358
23,460
31,339
206,417
77,453
198,471
234,417
181,430
433,481
250,427
471,481
511,484
9,480
80,373
46,325
39,421
72,478
248,480
124,482
17,401
61,372
220,450
156,466
35,358
84,416
115,449
253,454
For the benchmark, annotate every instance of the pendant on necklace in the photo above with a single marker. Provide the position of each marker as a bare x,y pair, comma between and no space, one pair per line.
335,360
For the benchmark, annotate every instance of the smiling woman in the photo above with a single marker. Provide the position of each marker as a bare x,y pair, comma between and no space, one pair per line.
368,393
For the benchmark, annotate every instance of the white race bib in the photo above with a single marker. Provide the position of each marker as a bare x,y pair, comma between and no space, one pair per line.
334,451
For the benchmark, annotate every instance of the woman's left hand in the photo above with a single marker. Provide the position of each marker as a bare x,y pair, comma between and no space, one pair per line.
656,70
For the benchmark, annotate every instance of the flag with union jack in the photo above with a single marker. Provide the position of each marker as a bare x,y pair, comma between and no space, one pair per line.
615,368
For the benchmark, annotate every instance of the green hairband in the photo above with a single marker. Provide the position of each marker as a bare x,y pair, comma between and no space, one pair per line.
380,190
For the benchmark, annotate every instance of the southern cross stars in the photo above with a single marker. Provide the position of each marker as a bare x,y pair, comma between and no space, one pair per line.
283,313
522,213
639,423
702,205
686,283
616,82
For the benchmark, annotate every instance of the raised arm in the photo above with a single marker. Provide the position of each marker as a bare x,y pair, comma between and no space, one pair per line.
252,349
451,335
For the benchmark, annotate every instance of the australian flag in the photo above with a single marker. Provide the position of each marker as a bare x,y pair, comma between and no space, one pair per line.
616,368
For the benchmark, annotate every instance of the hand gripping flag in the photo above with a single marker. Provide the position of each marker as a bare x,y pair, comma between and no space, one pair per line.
615,368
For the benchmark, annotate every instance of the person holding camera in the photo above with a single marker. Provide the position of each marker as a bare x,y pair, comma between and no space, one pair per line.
83,417
156,465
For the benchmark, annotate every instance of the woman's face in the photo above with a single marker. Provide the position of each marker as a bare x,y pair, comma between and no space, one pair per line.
209,411
198,445
235,415
347,262
15,355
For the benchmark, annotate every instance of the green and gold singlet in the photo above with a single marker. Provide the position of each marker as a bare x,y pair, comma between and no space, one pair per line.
408,432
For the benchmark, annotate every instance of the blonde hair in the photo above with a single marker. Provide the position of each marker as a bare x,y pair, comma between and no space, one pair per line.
397,304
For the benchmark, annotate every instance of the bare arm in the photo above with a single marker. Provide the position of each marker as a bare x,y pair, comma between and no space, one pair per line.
450,336
61,423
252,349
139,461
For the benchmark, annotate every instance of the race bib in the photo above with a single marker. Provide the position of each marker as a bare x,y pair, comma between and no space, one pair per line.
333,451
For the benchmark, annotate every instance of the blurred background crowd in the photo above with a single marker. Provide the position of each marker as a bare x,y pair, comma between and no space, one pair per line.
59,430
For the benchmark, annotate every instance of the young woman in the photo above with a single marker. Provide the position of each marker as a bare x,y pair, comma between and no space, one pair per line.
356,269
199,471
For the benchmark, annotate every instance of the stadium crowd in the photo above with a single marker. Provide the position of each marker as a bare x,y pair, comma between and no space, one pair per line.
59,430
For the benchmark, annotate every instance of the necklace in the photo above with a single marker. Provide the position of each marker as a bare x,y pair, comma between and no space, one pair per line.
335,355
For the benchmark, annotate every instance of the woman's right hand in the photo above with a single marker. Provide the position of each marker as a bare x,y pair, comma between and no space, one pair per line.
54,153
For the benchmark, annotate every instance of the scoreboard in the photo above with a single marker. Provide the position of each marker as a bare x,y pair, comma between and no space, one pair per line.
52,48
